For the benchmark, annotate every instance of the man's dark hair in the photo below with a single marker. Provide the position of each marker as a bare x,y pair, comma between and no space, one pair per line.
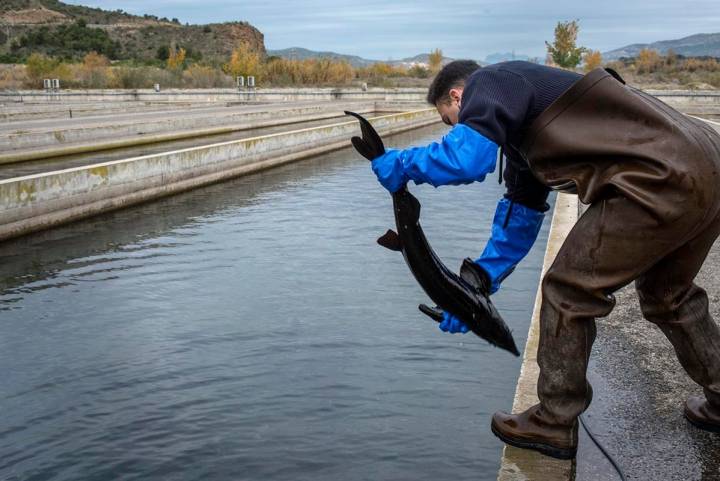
451,76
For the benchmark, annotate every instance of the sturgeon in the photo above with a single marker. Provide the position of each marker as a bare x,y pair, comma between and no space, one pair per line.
466,295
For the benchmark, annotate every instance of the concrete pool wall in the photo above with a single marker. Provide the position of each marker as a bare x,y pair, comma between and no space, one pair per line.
44,200
31,143
214,95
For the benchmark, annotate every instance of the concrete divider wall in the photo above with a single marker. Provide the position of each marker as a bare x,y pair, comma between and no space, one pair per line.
43,200
706,103
21,145
687,96
215,95
399,105
282,94
14,111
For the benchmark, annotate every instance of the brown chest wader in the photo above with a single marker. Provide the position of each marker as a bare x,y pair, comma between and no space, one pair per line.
651,176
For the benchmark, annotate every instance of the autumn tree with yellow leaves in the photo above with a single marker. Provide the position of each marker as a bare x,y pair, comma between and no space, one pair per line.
564,51
593,59
95,71
648,61
244,61
176,59
435,61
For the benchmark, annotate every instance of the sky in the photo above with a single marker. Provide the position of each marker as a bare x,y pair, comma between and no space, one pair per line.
391,30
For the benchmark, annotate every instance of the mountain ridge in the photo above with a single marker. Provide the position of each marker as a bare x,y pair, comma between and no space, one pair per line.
696,45
301,53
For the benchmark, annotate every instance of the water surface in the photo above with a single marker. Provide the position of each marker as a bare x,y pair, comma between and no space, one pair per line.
252,330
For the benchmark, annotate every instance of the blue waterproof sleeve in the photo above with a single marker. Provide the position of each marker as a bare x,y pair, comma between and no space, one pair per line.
461,157
514,231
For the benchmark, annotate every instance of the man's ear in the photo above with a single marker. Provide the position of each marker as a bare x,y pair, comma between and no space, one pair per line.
456,94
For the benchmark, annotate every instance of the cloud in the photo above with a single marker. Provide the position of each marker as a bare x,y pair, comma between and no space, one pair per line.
461,28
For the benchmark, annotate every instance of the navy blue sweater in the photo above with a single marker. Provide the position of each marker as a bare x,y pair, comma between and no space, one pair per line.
500,102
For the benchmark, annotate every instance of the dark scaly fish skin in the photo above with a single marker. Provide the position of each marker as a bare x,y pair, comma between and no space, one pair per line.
463,296
449,291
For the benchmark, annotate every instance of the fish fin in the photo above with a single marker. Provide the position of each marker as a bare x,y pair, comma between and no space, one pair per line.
476,276
390,240
434,313
369,135
362,147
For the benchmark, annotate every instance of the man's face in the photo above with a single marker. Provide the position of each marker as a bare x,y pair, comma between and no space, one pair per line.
450,110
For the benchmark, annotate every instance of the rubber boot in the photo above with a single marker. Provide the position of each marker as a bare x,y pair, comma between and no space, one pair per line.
701,414
563,353
532,429
695,336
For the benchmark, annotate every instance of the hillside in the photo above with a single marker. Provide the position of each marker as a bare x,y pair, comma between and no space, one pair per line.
504,57
699,45
299,53
423,59
59,29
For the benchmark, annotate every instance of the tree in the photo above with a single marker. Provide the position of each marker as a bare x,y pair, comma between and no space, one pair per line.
70,41
163,53
94,72
435,60
418,71
593,59
647,61
564,51
243,61
176,60
39,66
94,60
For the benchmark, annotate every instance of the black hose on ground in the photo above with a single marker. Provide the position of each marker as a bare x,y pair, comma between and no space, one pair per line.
602,449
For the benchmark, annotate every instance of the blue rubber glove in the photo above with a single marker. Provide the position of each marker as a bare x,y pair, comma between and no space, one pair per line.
514,231
389,170
461,157
452,324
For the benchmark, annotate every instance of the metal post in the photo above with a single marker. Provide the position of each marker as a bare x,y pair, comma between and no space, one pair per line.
55,88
